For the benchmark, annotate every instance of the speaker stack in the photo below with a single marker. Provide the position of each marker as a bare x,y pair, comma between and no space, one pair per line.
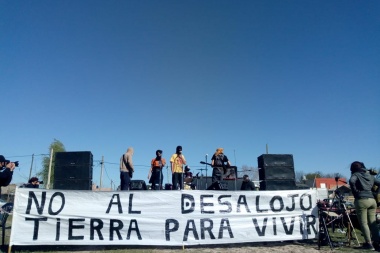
73,170
276,172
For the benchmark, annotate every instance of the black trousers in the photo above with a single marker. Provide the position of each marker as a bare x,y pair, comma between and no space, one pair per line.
217,174
156,178
125,180
177,180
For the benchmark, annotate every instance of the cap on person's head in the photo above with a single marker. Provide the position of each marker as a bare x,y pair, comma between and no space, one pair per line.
245,176
158,151
187,168
2,159
33,179
179,148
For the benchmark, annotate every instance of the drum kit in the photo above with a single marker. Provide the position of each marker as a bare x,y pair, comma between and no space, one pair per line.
189,183
192,183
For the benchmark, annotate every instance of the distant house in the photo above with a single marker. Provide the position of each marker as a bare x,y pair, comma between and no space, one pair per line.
330,184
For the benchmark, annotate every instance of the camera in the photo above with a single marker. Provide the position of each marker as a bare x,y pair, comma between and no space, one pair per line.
372,172
41,182
16,163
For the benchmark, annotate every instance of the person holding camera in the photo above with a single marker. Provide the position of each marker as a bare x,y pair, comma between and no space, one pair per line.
6,171
361,183
33,183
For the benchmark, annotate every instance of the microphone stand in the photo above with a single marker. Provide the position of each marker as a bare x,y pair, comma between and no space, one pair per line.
206,172
235,177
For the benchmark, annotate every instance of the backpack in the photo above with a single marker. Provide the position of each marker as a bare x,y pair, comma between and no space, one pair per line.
219,160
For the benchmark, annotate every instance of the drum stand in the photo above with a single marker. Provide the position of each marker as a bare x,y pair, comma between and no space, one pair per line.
198,187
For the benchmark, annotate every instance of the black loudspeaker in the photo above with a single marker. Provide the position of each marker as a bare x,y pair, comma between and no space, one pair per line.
231,184
73,170
73,184
276,167
275,185
218,186
137,185
168,186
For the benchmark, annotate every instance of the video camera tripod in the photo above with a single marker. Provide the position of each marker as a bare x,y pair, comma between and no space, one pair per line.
339,209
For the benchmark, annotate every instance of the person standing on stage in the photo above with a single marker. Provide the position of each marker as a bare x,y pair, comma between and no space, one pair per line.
247,184
126,169
155,174
177,161
219,161
361,183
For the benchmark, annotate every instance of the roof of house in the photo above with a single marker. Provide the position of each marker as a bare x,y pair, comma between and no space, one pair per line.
330,183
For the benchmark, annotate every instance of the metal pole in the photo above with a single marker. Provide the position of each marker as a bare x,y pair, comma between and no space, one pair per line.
31,167
101,173
206,172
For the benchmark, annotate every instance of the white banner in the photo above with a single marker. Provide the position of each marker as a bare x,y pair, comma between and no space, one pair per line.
171,218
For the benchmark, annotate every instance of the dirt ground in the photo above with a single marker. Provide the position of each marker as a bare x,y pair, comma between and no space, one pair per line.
276,247
272,247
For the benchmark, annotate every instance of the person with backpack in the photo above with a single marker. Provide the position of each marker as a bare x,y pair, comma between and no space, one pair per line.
219,162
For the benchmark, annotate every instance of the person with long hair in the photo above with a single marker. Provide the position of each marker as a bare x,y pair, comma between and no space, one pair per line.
361,183
219,161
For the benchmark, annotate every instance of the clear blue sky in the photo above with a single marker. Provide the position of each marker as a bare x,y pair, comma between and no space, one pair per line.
100,76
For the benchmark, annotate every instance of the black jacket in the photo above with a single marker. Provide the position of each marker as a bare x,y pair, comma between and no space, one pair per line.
247,186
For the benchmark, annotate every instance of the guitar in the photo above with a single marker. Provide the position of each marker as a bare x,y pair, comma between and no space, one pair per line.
227,170
201,162
231,167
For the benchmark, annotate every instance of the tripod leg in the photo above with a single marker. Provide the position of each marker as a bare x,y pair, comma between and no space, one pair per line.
352,226
323,227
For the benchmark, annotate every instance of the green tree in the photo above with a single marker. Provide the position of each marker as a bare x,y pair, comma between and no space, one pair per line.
316,174
57,146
